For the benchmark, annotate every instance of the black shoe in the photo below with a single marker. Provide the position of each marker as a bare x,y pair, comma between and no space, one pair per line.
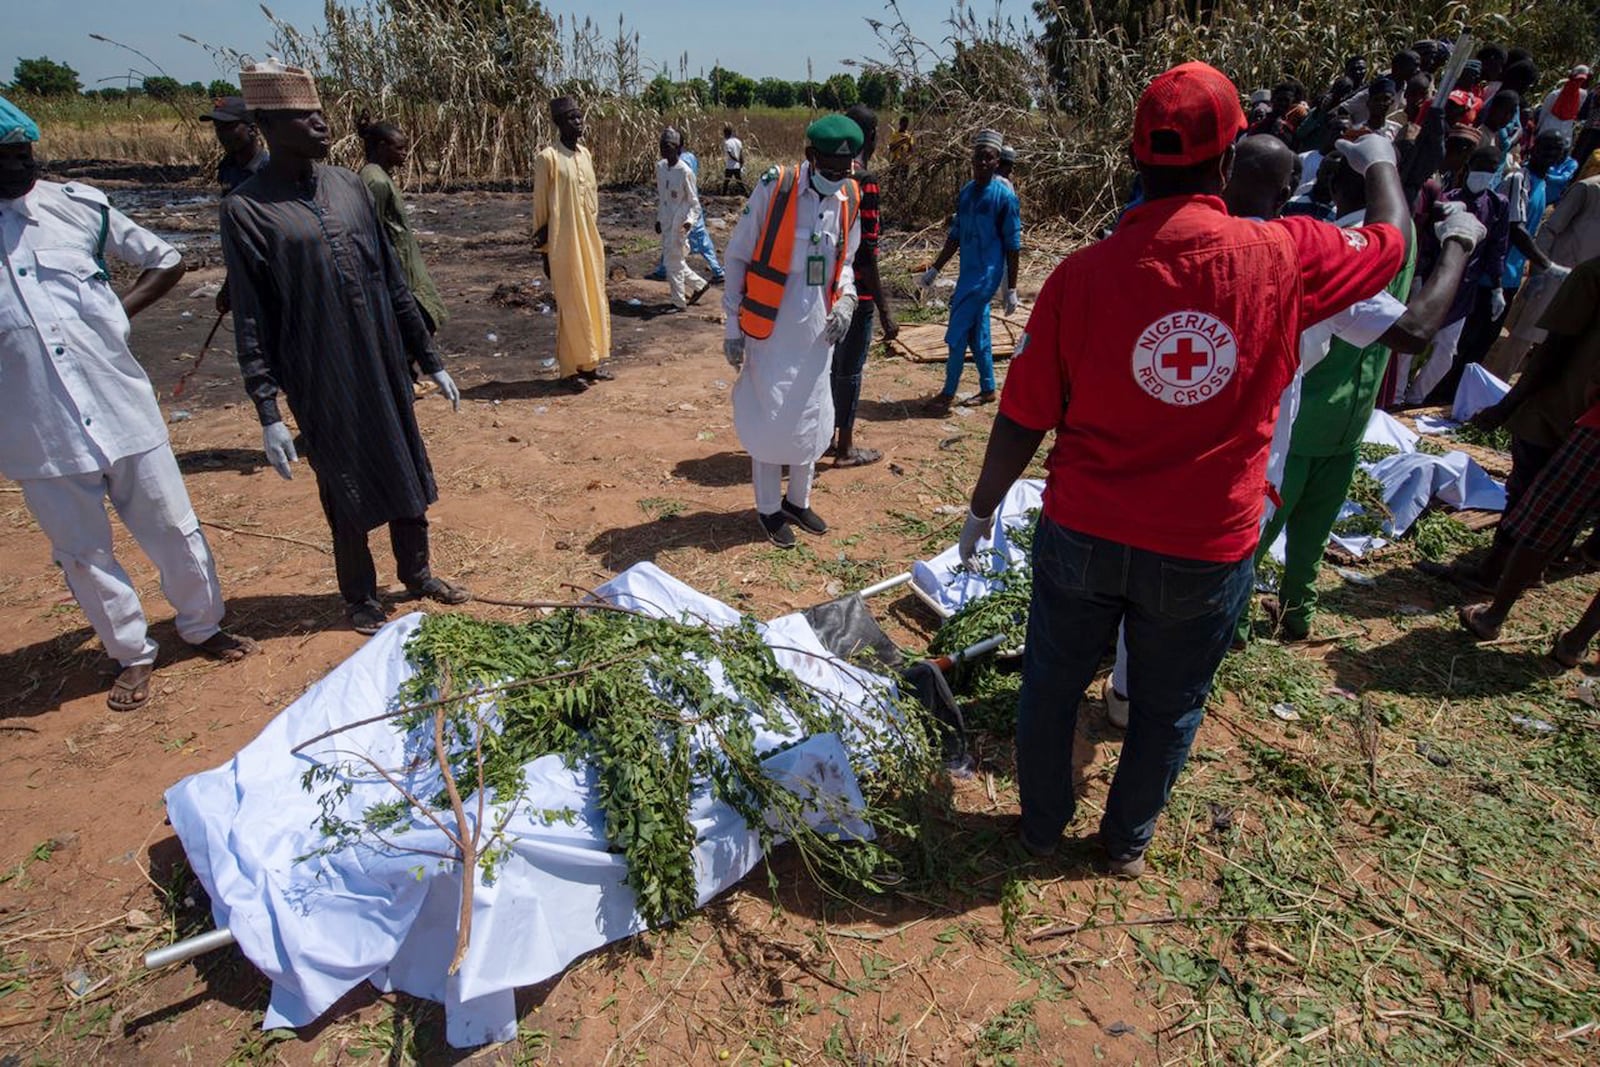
1034,848
809,520
777,527
366,617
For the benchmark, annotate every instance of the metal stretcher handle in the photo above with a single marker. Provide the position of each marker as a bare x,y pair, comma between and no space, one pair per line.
188,949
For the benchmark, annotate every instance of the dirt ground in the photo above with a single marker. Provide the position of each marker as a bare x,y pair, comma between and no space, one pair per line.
538,489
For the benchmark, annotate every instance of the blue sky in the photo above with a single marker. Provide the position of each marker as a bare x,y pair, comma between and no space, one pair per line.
758,37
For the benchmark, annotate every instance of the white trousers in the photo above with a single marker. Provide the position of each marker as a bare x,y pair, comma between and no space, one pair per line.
147,491
1433,372
675,260
768,478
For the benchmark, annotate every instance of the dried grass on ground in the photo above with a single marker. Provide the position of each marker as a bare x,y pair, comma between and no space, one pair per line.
143,130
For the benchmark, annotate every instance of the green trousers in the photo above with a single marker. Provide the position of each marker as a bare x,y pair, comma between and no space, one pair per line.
1314,489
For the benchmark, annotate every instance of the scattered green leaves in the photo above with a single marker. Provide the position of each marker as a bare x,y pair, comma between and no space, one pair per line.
632,697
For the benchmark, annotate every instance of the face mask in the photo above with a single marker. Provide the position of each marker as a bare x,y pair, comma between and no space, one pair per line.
1479,181
824,186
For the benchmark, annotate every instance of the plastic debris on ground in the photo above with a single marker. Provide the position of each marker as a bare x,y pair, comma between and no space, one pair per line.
1538,726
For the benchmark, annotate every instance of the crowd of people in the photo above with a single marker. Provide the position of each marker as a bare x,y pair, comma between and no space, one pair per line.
1208,369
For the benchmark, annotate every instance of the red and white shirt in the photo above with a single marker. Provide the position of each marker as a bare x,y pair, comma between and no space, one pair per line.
1158,357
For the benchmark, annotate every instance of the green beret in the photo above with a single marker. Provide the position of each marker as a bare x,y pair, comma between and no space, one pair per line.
835,135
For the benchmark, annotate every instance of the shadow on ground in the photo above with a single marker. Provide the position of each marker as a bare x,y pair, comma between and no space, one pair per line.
49,673
716,471
206,460
1439,662
712,531
531,389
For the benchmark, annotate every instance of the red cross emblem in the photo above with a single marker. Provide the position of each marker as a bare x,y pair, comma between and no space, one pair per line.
1185,358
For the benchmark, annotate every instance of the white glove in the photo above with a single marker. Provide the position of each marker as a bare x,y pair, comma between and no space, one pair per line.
1461,225
279,445
733,351
447,386
844,309
1011,301
1555,274
1497,302
928,277
972,531
1365,151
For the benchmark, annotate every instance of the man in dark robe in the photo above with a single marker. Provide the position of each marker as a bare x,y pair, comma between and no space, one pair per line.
323,313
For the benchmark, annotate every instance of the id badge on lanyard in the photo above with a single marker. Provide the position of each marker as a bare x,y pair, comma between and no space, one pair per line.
816,269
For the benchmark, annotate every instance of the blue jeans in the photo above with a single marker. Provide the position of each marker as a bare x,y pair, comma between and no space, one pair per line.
1178,615
699,245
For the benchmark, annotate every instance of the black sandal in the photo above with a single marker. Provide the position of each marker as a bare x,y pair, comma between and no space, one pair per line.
131,690
440,590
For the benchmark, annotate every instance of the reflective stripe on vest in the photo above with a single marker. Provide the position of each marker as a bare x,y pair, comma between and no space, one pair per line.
769,269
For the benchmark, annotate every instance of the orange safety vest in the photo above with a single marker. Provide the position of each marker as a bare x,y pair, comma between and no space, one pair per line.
769,270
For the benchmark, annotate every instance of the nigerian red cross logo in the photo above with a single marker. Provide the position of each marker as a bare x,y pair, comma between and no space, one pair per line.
1185,358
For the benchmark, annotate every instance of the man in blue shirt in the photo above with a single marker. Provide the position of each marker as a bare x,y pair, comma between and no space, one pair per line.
987,230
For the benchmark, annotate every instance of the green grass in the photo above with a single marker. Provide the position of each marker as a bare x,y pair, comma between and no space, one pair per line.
660,507
1006,1035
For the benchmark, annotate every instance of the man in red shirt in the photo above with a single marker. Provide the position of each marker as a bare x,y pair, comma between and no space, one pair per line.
1157,356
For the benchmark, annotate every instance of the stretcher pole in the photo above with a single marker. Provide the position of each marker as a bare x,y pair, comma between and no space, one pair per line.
187,949
982,648
885,585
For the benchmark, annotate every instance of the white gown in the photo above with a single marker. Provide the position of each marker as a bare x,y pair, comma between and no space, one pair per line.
783,400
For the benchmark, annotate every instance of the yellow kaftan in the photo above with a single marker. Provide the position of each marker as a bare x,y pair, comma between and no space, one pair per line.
566,198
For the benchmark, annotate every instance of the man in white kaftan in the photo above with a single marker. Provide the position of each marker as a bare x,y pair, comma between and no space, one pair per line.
677,211
782,339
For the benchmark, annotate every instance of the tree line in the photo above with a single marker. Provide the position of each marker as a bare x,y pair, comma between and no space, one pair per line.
45,77
725,88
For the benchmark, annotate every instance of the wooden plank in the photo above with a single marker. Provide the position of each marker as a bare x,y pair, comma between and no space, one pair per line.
924,341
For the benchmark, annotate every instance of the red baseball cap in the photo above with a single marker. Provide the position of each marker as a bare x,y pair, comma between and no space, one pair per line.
1187,115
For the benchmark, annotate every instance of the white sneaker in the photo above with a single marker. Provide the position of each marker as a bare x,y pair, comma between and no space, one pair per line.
1116,705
